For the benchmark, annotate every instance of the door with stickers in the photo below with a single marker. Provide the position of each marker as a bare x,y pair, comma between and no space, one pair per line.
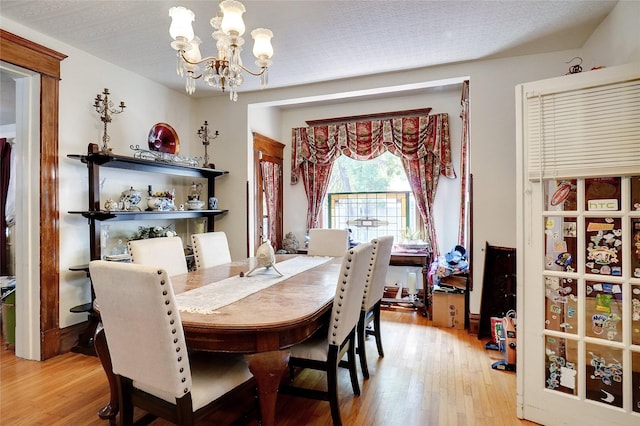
579,259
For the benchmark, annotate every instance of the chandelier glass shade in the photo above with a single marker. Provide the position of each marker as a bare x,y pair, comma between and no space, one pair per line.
224,71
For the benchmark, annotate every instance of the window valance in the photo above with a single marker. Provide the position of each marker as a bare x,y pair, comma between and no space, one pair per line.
410,138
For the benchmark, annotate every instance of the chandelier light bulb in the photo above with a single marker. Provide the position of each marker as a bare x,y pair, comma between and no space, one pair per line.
262,43
232,22
181,19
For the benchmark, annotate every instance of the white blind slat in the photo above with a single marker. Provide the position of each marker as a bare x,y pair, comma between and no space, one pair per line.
591,131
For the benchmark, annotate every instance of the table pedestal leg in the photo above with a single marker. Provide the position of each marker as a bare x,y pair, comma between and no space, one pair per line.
268,368
109,411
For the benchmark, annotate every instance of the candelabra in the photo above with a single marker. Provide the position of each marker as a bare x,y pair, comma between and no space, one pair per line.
203,133
104,107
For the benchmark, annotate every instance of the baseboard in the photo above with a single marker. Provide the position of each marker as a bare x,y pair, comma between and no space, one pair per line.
69,336
474,323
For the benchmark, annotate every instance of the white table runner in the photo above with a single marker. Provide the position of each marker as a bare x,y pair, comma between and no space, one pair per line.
211,297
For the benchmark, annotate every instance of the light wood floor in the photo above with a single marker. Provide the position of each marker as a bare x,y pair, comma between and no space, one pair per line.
429,376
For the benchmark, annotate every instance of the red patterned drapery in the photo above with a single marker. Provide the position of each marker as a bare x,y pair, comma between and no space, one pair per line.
422,142
463,238
270,183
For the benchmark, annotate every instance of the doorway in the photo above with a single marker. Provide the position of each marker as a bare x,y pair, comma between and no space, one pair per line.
37,324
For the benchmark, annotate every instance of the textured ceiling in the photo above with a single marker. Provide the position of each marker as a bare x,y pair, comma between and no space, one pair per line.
317,41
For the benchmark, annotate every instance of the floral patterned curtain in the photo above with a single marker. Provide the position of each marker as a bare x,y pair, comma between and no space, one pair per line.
270,183
422,142
464,164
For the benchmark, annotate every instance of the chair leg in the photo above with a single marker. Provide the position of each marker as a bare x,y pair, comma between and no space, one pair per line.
376,324
351,360
332,385
362,353
125,387
184,410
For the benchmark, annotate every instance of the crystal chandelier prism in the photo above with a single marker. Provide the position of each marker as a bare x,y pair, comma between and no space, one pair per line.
225,71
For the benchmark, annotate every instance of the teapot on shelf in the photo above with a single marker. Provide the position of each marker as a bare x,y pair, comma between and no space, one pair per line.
130,199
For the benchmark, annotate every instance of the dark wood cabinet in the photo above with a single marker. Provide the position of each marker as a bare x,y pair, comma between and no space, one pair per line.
498,286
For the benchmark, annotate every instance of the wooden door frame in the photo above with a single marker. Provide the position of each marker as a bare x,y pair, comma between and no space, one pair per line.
265,148
46,62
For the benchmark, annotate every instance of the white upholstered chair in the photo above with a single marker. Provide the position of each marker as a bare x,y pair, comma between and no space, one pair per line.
373,292
328,242
324,350
164,252
210,249
148,352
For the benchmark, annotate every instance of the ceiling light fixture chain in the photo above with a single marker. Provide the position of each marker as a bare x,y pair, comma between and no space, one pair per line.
224,71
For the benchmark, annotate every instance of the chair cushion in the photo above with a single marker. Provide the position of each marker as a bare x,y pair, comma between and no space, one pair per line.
314,348
212,374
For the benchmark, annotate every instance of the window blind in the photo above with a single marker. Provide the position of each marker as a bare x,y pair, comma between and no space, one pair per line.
592,131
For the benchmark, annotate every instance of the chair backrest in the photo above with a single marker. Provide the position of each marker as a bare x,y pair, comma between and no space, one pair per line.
356,266
374,288
142,325
163,252
328,242
210,249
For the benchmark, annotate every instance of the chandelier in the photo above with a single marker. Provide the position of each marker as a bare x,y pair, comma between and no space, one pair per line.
225,71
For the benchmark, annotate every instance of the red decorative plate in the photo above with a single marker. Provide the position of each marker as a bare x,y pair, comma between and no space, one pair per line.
162,138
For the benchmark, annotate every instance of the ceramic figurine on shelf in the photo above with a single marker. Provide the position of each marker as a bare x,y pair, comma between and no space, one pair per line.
111,205
194,193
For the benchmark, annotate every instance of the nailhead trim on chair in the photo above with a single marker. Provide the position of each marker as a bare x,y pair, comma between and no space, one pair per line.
167,302
342,289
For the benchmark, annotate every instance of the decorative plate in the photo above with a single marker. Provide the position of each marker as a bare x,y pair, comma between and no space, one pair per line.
163,138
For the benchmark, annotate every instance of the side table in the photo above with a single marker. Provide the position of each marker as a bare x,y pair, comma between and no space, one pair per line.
422,260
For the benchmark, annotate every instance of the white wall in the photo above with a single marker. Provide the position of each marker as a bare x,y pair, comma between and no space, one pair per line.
83,76
616,41
492,124
443,99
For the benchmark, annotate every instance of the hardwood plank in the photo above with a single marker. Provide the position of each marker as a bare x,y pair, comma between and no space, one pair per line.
429,376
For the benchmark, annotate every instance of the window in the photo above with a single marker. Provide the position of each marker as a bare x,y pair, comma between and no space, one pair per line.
371,198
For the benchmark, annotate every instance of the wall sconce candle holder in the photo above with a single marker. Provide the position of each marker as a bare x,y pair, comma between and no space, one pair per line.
203,134
104,107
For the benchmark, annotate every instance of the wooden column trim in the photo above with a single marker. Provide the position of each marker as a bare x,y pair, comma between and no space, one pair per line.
26,54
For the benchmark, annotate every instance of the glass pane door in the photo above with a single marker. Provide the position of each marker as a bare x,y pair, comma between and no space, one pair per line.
589,276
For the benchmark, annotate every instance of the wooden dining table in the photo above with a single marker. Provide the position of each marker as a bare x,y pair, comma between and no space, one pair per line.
262,325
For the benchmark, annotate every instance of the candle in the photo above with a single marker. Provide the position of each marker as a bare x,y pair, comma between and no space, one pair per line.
411,282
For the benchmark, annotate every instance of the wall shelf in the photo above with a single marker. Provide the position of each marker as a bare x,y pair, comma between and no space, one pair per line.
103,215
95,160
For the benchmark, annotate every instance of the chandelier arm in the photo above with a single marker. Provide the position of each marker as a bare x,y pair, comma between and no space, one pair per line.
213,58
255,74
207,59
